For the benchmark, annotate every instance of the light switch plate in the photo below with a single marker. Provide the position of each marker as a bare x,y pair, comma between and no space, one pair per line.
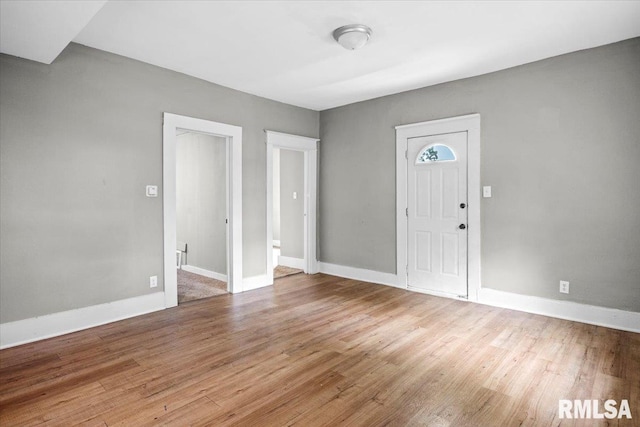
486,191
152,191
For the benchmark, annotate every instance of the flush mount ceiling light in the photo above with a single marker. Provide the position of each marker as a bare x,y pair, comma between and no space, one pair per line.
352,36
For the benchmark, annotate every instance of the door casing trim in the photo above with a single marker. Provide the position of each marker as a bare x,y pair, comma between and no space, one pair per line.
468,123
233,136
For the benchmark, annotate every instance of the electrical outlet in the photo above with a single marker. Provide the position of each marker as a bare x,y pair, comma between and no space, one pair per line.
564,287
152,191
153,281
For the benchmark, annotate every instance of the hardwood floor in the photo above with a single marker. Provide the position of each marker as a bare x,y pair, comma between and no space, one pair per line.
320,350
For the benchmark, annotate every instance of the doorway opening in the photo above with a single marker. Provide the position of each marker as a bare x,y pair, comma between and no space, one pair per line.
288,212
180,253
291,205
201,215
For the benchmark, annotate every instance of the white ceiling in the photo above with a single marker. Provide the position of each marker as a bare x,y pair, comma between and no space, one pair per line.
39,30
283,50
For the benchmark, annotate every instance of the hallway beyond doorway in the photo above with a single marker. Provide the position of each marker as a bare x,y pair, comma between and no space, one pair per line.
193,286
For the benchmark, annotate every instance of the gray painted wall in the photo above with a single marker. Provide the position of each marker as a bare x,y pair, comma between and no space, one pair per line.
201,200
291,210
561,148
79,140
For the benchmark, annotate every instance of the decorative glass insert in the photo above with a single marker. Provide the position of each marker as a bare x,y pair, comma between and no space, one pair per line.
436,153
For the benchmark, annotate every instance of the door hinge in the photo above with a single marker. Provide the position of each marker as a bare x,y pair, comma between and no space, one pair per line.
407,269
406,154
406,211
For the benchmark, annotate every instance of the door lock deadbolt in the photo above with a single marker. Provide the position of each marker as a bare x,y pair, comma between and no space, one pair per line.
462,226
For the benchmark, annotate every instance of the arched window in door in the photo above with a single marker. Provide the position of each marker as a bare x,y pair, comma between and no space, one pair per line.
435,153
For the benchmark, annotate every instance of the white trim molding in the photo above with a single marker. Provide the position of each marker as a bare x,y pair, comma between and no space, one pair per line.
589,314
568,310
471,124
233,135
53,325
206,273
288,261
378,277
255,282
309,146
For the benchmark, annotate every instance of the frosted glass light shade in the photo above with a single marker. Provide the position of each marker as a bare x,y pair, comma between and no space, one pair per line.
352,36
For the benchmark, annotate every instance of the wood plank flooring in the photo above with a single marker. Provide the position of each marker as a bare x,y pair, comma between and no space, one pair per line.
321,351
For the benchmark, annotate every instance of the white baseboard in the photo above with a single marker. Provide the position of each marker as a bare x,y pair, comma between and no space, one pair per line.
276,243
288,261
206,273
255,282
53,325
42,327
378,277
591,314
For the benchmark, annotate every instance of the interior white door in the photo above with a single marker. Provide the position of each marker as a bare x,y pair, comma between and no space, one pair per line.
437,213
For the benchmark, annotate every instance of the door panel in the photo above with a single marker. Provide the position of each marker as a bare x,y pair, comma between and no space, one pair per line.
450,253
437,185
423,247
423,187
449,192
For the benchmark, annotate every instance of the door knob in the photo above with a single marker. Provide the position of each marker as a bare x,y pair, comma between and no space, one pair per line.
462,206
462,226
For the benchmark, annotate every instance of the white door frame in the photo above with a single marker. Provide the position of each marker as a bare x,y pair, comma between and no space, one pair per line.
233,136
309,146
470,124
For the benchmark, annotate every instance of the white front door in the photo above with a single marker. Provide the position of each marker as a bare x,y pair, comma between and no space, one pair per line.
437,213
